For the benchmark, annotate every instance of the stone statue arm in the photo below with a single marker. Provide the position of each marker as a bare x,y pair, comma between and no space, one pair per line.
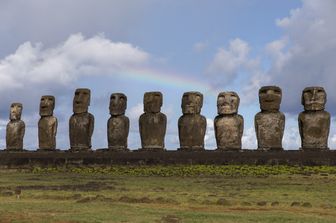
241,129
204,125
282,124
328,121
164,123
300,127
127,125
23,129
55,127
91,125
256,126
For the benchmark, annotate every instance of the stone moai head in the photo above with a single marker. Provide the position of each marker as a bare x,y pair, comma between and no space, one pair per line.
81,101
15,111
192,102
270,98
314,98
227,103
152,102
47,105
118,104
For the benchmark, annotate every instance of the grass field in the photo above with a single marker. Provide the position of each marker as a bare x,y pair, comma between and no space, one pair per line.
169,194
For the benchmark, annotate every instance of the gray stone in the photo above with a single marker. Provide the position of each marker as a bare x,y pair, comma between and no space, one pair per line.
314,122
15,129
47,125
81,123
229,125
270,122
152,123
192,125
118,123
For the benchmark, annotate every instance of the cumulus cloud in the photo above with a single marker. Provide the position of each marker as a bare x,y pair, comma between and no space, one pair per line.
305,55
232,63
34,69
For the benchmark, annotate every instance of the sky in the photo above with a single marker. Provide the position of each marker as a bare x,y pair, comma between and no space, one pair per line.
54,47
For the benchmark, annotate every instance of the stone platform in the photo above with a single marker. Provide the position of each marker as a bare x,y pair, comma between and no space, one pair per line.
106,158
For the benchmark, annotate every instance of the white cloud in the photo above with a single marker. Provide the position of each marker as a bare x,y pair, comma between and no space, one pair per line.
200,46
305,54
210,139
249,139
231,63
31,64
33,69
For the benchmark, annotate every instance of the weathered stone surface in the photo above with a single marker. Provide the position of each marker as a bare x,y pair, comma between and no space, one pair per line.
118,123
15,128
47,125
81,123
270,122
192,125
229,125
314,122
152,123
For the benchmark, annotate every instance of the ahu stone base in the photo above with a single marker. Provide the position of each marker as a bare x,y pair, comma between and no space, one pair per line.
26,159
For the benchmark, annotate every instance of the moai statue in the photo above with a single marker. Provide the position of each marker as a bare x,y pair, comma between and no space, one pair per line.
47,125
229,125
118,124
15,128
81,123
270,122
192,125
152,123
314,122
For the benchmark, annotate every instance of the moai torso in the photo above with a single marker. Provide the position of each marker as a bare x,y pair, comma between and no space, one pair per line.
314,122
15,129
270,122
229,125
47,125
118,124
191,124
81,123
153,123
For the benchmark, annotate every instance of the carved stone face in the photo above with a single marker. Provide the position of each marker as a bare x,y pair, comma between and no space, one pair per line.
270,98
118,104
314,98
227,103
81,100
152,102
15,111
192,102
47,105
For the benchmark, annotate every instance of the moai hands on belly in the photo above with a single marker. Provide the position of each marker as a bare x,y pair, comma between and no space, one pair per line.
192,125
118,124
229,125
270,122
152,123
81,123
314,122
47,125
15,129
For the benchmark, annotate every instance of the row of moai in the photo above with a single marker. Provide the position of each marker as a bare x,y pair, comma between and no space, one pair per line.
314,122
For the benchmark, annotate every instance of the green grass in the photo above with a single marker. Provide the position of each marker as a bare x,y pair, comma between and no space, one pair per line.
169,194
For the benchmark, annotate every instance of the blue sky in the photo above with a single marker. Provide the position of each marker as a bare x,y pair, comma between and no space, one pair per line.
53,47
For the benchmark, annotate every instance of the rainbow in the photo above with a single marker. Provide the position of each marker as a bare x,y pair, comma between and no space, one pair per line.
168,79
